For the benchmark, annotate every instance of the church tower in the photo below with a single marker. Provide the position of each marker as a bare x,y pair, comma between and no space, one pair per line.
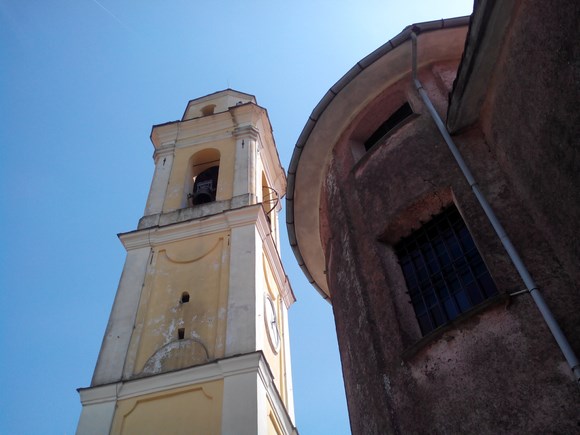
197,340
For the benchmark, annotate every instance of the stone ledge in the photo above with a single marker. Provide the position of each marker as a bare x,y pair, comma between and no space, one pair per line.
195,212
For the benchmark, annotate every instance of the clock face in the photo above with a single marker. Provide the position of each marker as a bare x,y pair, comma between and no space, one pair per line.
272,323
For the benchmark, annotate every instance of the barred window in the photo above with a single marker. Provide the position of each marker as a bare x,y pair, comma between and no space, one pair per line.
444,272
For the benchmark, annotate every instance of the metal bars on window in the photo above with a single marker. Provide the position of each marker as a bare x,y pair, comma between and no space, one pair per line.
444,272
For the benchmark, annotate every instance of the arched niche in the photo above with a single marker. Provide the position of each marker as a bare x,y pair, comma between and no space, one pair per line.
177,354
205,165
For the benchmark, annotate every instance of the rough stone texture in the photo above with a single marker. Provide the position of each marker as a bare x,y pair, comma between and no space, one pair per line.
538,143
497,370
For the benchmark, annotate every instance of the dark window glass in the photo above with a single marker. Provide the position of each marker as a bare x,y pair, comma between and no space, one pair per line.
394,120
444,272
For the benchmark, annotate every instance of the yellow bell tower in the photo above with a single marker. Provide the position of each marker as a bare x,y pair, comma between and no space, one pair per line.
197,340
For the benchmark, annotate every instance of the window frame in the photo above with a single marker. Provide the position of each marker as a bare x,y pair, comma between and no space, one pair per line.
443,270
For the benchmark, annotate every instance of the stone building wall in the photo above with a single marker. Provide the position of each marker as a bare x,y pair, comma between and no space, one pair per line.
510,97
477,374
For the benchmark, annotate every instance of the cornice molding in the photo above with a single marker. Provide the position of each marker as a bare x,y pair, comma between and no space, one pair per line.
223,221
165,150
248,130
238,120
242,364
191,131
216,370
100,394
273,394
158,235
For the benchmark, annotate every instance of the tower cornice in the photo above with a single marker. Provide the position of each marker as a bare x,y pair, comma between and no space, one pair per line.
228,219
205,128
224,368
157,235
179,378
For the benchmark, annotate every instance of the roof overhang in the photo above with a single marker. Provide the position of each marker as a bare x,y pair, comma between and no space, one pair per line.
487,31
439,41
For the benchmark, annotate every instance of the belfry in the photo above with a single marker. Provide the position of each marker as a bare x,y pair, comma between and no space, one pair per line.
197,340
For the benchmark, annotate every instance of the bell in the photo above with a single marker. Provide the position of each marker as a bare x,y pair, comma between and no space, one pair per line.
205,187
204,192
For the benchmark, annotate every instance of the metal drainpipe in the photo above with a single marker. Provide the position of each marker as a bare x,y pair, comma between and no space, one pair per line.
507,244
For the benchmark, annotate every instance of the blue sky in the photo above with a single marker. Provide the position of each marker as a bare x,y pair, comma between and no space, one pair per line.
81,84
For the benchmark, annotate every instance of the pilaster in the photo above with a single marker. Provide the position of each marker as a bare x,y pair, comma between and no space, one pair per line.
244,288
122,319
245,167
163,163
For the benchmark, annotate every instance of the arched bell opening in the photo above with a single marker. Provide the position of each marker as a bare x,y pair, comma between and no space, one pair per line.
205,186
201,182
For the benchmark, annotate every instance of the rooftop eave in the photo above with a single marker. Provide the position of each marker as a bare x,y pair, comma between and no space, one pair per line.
342,102
489,25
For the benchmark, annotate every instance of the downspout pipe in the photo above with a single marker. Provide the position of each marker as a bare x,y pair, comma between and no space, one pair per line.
531,286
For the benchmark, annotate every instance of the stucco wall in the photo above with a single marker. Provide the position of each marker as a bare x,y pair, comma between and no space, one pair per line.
194,409
494,370
531,121
200,269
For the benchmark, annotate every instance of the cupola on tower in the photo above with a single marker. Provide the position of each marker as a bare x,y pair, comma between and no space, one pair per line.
197,340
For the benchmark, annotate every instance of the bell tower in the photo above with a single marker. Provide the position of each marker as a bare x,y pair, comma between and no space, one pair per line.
197,340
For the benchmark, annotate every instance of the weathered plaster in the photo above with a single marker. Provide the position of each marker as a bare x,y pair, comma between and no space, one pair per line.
225,256
497,369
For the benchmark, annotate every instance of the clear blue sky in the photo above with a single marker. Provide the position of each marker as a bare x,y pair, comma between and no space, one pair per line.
81,84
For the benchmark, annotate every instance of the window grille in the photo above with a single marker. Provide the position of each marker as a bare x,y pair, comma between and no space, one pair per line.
444,271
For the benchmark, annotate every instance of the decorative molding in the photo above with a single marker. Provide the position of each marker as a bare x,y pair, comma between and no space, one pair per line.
222,221
243,216
195,212
246,131
274,397
239,217
100,394
167,381
243,364
174,258
192,130
165,150
199,139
